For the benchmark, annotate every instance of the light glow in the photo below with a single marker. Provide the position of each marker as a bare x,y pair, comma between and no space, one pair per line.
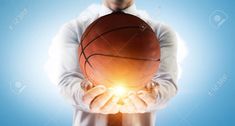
119,91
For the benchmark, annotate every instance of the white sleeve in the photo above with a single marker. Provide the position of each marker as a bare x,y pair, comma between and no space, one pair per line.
63,67
167,74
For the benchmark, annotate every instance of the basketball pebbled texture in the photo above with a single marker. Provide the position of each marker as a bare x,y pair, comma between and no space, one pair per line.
119,49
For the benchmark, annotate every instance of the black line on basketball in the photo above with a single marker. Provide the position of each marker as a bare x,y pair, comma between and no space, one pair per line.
93,24
108,55
116,29
132,58
94,70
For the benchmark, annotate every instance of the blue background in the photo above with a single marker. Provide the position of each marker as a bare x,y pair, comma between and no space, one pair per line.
206,87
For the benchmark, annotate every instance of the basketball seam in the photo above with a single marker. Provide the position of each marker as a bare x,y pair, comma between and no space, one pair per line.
87,61
95,70
119,28
108,79
116,29
83,49
93,24
132,58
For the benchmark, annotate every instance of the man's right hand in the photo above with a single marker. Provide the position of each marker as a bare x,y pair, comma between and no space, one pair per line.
101,100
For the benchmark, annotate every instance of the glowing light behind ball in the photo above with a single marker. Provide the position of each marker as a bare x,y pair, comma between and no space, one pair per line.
119,91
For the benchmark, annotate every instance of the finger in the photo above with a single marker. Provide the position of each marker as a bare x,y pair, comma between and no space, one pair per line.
124,107
147,97
89,86
115,109
128,107
86,85
155,89
139,104
110,104
152,86
92,93
101,101
149,85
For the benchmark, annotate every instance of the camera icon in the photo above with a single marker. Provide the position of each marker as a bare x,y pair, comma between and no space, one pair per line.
218,18
17,87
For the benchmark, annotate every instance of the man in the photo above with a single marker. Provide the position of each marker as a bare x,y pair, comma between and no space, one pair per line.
94,104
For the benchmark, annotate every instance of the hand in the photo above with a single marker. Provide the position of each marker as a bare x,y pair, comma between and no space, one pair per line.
140,101
101,100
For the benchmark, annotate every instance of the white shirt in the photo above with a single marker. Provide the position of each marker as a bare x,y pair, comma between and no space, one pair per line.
63,67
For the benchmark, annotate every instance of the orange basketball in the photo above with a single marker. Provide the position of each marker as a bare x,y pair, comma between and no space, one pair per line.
119,49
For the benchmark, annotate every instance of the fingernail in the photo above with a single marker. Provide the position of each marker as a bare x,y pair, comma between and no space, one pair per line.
131,96
140,92
148,86
131,93
102,87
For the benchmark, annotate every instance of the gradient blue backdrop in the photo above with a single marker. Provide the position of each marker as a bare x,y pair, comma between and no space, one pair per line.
206,88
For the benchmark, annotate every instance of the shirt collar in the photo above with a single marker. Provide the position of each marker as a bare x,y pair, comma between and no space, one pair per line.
105,10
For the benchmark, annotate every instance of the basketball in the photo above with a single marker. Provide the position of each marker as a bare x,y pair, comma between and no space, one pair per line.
119,49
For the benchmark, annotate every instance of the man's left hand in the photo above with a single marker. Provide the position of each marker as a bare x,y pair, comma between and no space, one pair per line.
140,101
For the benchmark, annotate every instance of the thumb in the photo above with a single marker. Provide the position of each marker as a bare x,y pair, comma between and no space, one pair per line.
86,85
